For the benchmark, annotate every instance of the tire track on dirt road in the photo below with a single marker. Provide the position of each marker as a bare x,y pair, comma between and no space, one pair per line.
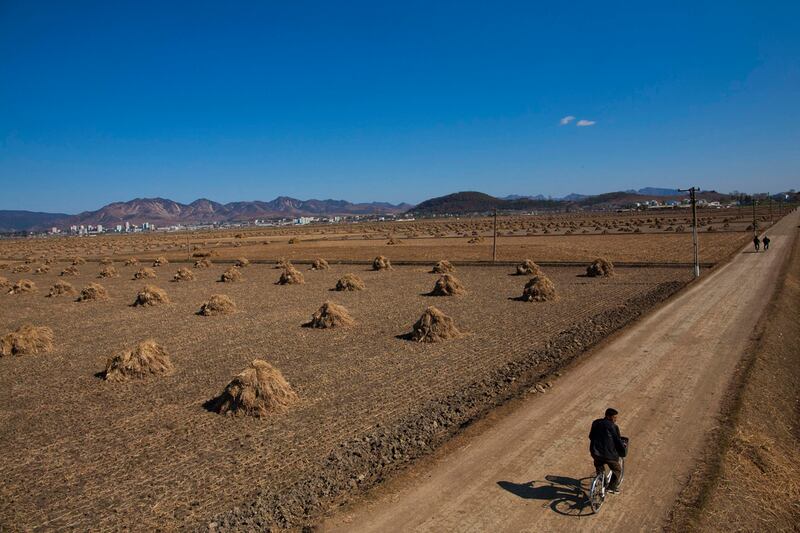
667,375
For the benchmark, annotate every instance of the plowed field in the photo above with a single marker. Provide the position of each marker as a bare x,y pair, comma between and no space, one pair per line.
82,453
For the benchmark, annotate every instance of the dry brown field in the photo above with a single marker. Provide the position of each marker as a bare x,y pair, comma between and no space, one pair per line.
83,453
660,237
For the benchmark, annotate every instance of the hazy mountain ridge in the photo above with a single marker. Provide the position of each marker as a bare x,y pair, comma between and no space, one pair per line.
477,202
16,220
164,212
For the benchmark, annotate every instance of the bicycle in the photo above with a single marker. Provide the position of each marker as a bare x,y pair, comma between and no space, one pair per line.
599,486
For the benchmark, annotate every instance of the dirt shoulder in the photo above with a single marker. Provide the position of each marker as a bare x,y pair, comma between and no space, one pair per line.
748,479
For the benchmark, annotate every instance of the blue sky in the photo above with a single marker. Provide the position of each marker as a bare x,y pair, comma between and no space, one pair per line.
107,101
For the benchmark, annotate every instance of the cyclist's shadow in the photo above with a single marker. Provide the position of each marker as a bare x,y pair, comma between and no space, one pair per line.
567,496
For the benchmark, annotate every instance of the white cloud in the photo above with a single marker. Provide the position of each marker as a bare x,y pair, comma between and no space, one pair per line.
581,123
566,120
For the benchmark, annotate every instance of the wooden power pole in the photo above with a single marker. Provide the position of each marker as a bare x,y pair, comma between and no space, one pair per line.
494,239
692,195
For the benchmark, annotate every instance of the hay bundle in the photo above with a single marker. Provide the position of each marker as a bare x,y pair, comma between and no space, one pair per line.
447,285
381,263
231,275
331,315
160,261
242,262
144,272
350,282
27,340
319,264
600,267
44,269
4,283
106,261
147,358
202,253
23,285
291,276
151,295
70,271
528,268
259,391
78,261
93,291
202,263
293,240
283,263
218,304
21,268
443,267
61,288
131,261
393,242
434,326
108,272
183,274
539,289
3,266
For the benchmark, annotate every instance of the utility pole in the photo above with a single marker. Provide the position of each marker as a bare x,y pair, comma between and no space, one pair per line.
494,239
755,229
692,195
770,208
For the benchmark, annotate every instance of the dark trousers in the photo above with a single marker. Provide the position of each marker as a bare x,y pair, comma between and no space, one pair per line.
616,470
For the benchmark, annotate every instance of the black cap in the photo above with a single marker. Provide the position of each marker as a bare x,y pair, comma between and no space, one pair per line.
611,412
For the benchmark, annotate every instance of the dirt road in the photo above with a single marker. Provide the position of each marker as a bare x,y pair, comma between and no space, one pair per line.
666,375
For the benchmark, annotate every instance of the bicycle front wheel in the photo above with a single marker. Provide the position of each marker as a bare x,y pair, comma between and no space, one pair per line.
596,495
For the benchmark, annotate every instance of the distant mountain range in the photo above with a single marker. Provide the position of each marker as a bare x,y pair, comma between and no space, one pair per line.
646,191
478,202
163,212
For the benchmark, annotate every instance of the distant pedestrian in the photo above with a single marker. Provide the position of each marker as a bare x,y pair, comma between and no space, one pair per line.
756,242
766,243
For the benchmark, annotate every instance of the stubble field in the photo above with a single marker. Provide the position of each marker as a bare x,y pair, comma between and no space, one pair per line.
80,452
661,237
83,453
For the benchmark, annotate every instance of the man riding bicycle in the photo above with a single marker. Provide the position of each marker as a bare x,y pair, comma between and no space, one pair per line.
606,447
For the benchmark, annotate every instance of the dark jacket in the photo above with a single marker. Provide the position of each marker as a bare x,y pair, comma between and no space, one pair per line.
604,440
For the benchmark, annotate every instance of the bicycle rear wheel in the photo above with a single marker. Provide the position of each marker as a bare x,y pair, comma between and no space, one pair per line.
596,495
